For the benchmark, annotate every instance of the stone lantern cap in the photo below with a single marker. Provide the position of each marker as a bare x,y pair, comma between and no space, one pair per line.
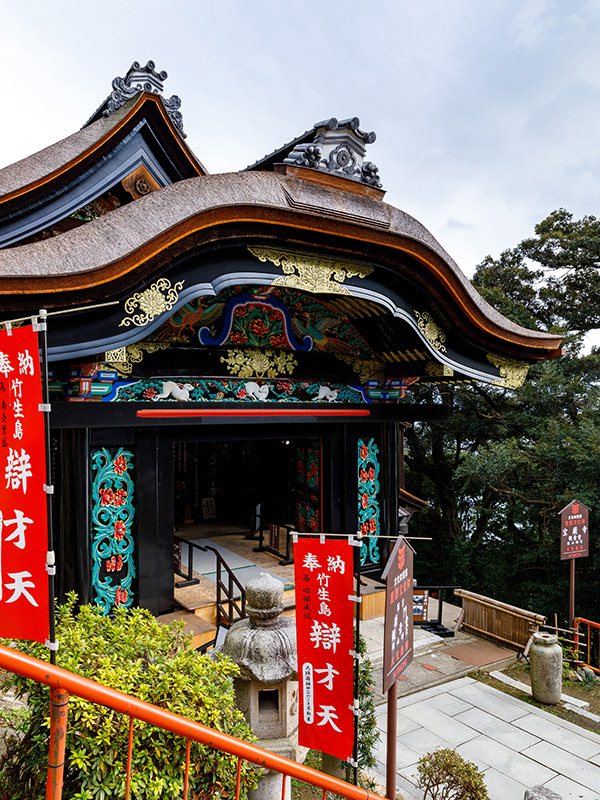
264,645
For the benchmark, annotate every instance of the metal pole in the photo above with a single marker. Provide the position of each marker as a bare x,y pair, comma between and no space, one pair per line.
59,706
390,770
392,698
572,595
50,558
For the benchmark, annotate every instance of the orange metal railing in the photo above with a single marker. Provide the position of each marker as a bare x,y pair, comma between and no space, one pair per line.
591,647
62,683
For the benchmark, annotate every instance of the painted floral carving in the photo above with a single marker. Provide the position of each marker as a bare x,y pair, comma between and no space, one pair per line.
368,500
308,484
113,513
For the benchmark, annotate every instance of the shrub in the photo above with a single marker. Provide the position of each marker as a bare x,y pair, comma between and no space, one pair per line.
368,735
131,652
444,775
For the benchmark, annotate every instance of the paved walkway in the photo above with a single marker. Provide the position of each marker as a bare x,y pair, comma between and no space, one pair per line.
515,744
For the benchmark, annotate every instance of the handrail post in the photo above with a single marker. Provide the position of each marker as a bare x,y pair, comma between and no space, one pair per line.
59,706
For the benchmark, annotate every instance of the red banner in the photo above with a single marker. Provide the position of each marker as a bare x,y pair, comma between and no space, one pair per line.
325,630
23,516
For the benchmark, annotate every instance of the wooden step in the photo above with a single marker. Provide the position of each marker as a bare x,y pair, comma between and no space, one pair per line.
200,630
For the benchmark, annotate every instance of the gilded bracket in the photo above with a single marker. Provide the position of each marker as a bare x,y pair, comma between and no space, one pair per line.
315,274
437,370
431,331
512,373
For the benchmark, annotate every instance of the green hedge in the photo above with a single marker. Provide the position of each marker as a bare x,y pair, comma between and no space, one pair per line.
135,654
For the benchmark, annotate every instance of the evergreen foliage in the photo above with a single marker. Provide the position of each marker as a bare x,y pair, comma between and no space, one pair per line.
368,735
135,654
500,469
445,775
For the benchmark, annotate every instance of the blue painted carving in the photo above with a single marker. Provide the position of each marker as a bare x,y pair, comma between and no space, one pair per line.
113,515
368,500
245,311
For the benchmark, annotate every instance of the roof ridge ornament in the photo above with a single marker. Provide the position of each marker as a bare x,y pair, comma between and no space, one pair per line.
141,79
338,147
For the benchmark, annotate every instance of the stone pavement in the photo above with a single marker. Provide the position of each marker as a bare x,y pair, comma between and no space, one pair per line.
433,662
516,745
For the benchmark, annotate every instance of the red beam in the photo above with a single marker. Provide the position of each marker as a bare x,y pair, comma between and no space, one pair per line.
255,412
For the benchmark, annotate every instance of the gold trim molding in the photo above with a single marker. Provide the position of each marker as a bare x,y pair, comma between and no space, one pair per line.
431,330
366,368
256,363
152,302
315,274
437,370
512,373
123,358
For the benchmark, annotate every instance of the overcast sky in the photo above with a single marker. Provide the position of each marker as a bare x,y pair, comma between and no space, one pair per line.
487,112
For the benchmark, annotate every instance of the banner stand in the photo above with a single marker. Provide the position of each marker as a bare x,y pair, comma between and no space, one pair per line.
51,643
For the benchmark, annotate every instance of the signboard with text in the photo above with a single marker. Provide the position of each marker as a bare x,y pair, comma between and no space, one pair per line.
325,634
273,536
398,635
23,513
574,531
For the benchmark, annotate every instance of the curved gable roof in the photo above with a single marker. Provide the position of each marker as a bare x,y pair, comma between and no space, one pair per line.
61,162
116,251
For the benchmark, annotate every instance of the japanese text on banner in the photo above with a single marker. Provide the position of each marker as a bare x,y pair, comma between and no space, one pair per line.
325,632
23,515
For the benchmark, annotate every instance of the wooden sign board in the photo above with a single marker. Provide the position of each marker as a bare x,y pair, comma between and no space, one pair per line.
209,509
398,636
574,531
273,536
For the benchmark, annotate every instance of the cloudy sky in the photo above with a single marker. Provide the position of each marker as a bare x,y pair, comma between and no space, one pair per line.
487,112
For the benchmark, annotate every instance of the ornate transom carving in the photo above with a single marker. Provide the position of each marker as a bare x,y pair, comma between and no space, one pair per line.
315,274
259,363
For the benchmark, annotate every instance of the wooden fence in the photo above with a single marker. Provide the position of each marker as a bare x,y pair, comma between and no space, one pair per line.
498,621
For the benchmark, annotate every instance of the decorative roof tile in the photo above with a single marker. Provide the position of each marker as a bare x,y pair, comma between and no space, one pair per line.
140,79
337,147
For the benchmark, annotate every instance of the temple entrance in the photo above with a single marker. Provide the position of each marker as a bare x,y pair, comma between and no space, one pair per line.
234,486
218,485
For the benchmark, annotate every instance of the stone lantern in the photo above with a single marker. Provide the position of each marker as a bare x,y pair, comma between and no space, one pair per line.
266,691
